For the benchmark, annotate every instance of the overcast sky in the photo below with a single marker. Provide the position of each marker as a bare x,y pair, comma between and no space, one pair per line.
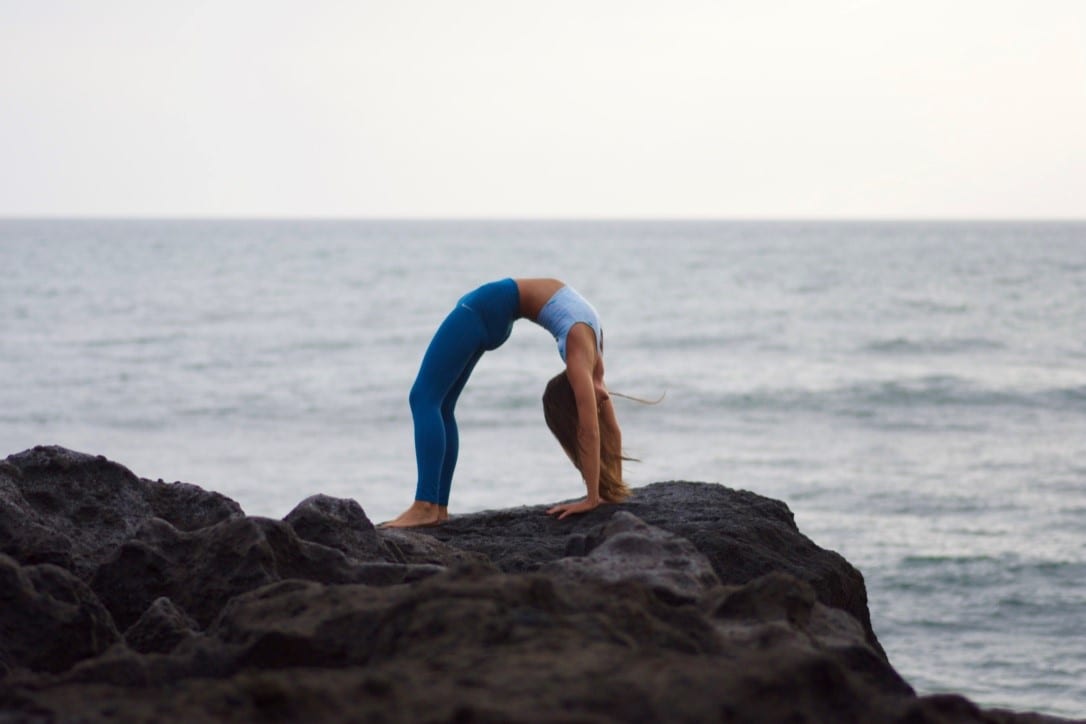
548,108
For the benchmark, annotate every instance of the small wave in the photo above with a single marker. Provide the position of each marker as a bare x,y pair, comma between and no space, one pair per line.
936,390
1067,395
868,398
1009,565
692,342
927,305
936,560
952,345
316,345
136,341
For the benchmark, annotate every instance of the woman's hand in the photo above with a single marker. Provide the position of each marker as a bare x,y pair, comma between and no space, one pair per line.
581,506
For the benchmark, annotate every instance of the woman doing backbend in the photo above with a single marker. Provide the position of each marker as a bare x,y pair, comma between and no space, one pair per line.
576,404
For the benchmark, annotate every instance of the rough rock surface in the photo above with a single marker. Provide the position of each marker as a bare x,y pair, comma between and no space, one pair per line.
202,570
628,549
689,603
339,524
71,509
744,536
49,619
160,629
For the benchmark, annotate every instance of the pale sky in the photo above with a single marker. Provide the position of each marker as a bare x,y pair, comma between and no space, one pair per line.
548,108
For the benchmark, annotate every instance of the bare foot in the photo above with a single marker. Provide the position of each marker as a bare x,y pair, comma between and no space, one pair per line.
420,513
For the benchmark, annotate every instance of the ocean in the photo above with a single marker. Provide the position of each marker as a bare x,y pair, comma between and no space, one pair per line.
914,391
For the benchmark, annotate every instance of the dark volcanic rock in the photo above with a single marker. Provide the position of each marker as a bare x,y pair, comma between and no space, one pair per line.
746,536
689,603
202,570
339,524
743,535
411,546
72,509
160,629
485,646
342,524
49,619
524,647
627,549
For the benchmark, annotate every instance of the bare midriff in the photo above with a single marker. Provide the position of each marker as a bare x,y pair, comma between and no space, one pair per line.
534,293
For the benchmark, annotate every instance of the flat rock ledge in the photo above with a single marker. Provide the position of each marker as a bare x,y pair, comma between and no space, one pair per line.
127,599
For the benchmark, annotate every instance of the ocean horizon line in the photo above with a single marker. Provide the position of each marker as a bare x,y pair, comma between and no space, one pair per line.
332,218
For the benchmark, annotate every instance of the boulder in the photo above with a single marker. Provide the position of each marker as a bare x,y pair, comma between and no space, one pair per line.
411,546
200,571
743,535
161,628
49,619
626,549
337,523
74,510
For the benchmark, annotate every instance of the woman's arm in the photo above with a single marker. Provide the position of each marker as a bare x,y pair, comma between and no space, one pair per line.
580,362
588,428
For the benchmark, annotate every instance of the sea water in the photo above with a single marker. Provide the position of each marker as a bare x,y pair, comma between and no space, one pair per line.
915,392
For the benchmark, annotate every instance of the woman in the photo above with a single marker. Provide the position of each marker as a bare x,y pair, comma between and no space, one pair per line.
576,404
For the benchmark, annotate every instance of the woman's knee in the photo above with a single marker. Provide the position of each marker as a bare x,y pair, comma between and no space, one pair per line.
423,397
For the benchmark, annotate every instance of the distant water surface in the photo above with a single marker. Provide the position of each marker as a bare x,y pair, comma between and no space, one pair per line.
916,392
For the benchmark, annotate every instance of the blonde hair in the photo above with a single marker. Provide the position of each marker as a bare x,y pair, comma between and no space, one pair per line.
560,411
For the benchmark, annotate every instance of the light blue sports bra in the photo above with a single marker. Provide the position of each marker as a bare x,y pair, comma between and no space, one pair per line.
564,309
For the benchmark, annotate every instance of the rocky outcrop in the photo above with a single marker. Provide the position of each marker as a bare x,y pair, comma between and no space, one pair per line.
73,510
742,534
691,602
161,628
627,549
202,570
49,619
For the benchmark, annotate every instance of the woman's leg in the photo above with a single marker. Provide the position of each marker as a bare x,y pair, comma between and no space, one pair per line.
456,347
452,433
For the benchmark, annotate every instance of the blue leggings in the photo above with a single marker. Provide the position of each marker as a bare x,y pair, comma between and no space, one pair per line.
481,321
